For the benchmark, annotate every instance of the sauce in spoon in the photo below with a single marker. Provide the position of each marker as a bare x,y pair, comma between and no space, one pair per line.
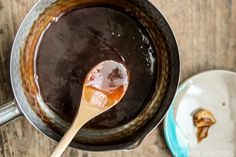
106,84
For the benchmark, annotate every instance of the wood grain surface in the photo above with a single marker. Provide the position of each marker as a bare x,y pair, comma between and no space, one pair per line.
206,34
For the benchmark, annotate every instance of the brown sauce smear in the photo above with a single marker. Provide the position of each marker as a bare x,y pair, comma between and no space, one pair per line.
79,40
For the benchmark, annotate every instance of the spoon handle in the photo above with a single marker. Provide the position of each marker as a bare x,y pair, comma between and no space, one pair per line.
66,139
86,112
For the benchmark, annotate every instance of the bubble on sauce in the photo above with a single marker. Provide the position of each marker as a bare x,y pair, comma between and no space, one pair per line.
55,19
36,77
150,50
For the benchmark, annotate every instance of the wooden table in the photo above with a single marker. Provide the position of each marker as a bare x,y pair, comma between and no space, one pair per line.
206,34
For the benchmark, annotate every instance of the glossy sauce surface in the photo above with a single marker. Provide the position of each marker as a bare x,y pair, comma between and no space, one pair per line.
81,39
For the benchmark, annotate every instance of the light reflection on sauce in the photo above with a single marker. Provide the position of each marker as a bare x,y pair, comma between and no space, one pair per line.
106,84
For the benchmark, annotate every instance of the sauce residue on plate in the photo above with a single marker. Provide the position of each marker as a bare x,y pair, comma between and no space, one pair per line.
203,120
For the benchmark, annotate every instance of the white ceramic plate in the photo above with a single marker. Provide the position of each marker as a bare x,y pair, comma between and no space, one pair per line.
212,90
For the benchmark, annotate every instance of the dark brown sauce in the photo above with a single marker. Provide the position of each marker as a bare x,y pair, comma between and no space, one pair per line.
78,41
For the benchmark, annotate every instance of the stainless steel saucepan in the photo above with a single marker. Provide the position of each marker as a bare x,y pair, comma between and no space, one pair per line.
127,136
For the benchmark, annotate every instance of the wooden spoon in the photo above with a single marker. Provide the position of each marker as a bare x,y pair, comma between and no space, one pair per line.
104,86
